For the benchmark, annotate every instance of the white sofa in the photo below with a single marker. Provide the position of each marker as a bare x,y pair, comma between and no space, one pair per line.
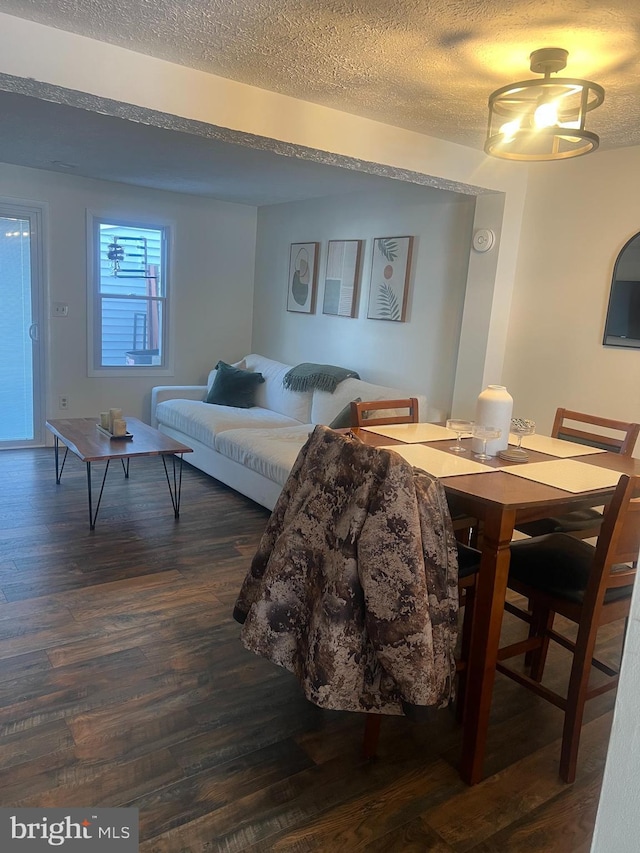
253,450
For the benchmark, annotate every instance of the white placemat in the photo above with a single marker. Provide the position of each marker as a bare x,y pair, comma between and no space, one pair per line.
554,446
438,463
413,433
566,474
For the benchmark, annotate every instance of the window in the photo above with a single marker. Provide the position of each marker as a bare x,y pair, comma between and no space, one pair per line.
22,330
129,296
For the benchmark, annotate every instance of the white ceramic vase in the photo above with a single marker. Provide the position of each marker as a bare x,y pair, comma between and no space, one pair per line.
494,408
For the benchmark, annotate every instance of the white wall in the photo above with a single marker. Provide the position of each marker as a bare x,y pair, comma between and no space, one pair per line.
618,822
419,354
487,301
578,215
212,283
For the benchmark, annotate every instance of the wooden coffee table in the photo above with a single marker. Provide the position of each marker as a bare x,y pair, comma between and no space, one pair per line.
82,437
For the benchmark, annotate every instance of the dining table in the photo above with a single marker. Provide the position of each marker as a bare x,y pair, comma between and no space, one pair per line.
500,497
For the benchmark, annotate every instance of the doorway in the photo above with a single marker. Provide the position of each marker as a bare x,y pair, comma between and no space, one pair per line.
21,326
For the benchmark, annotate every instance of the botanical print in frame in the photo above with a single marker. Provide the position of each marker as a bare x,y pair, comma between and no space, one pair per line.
341,278
390,269
301,291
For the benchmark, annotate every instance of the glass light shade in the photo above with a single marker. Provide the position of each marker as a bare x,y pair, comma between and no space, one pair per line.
543,119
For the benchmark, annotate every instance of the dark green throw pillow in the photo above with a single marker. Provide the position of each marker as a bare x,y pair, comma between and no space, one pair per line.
233,387
343,418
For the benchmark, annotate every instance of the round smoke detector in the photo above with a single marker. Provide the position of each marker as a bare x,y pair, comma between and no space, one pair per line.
483,239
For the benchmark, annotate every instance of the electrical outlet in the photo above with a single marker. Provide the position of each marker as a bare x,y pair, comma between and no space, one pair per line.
63,402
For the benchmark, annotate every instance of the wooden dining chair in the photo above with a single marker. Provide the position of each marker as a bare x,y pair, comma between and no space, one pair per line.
584,429
464,526
353,585
360,408
590,586
468,568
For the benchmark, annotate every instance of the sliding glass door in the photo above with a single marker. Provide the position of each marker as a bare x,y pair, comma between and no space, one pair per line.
21,326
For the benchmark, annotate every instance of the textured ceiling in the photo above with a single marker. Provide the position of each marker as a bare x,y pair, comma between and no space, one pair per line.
425,65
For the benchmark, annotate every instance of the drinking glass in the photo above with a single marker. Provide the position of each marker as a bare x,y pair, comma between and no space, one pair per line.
460,428
521,427
485,434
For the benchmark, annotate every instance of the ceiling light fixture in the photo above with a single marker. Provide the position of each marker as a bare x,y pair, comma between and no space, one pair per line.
543,119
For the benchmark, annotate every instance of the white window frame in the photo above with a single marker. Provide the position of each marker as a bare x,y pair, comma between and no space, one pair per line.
94,318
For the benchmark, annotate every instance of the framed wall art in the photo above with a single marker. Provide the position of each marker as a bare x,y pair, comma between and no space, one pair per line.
390,269
301,291
341,277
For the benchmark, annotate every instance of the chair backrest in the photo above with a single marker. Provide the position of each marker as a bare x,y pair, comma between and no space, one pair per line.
623,444
618,542
359,410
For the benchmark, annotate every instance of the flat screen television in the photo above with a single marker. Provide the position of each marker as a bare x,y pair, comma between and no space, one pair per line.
622,326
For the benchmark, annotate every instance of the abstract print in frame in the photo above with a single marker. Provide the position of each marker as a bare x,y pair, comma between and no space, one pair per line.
341,278
301,291
390,268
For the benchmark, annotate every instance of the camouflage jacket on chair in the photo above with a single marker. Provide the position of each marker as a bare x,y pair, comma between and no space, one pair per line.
354,584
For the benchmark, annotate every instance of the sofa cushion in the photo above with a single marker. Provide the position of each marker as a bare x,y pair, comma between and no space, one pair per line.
233,386
203,421
325,406
273,395
270,452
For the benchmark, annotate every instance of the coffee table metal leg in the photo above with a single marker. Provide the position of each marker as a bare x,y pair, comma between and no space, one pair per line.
176,490
93,516
56,451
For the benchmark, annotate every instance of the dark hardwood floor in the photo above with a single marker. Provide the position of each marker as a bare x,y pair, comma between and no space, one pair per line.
123,682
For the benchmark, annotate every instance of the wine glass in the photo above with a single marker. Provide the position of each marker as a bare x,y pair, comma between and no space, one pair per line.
460,428
520,427
485,434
